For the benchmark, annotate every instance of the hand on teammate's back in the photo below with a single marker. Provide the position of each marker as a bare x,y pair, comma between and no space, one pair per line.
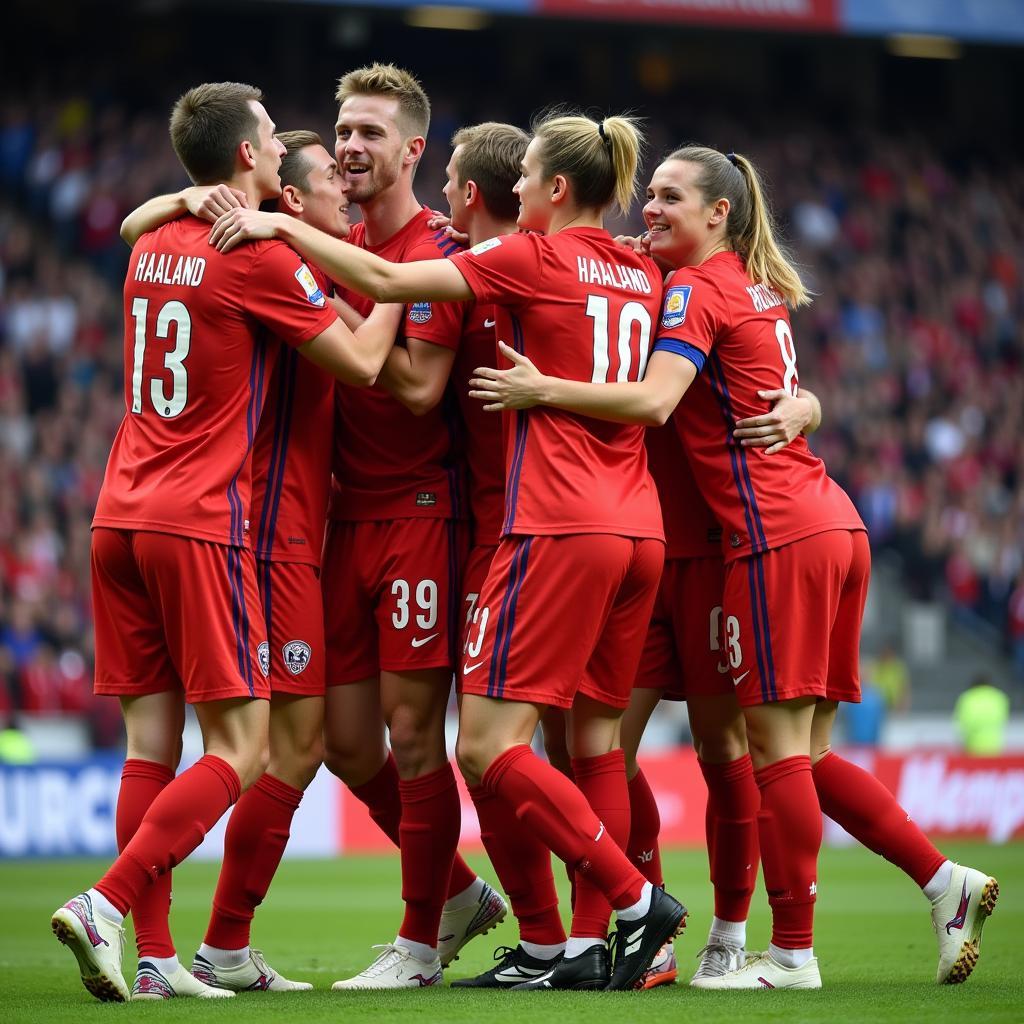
775,429
208,202
241,225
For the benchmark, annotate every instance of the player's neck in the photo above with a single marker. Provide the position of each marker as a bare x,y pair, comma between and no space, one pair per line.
247,183
485,226
389,211
710,248
575,218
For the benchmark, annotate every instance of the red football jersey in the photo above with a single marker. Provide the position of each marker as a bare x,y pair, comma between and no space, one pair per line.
483,444
716,313
583,308
388,463
200,340
291,462
691,529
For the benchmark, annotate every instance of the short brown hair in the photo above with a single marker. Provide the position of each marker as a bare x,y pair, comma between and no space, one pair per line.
295,167
207,125
492,154
394,83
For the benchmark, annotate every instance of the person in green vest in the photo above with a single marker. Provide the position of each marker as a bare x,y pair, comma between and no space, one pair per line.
15,747
980,715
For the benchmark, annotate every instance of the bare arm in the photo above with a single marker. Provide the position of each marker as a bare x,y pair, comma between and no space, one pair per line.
437,280
417,374
649,402
356,357
205,201
790,416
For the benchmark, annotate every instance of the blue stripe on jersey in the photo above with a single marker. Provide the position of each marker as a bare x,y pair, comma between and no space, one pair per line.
252,414
240,617
762,596
265,583
681,348
738,458
519,447
448,250
762,668
291,365
263,543
506,620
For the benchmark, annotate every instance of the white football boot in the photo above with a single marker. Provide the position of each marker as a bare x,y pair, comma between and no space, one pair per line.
396,967
254,975
958,917
98,945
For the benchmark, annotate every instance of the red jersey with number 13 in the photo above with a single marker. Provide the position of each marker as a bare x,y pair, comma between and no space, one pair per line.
743,331
199,344
581,308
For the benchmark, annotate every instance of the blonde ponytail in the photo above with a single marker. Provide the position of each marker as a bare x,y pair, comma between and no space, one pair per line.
750,226
601,159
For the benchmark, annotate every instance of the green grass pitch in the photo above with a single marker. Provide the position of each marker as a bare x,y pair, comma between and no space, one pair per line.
874,943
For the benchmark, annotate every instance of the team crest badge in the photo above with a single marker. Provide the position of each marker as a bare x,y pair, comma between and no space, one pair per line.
296,654
313,291
263,653
676,301
420,312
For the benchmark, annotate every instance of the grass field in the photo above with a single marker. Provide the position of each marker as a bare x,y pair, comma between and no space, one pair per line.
874,943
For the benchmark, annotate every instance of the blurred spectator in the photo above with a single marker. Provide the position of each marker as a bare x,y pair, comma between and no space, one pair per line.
889,676
980,715
862,723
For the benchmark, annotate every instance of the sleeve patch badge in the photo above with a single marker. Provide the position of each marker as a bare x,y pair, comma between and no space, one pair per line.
313,291
676,301
491,243
419,312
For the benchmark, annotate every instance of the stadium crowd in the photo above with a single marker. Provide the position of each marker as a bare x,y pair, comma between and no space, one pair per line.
915,345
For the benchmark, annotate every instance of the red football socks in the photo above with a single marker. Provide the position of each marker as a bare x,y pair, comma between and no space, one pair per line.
602,780
429,834
384,802
141,783
523,865
253,846
175,824
644,826
558,813
731,822
860,803
789,828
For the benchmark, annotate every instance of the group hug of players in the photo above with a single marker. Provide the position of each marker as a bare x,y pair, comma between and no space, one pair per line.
470,422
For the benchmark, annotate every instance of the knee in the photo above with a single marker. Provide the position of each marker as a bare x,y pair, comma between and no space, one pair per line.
251,764
298,764
721,747
417,745
472,759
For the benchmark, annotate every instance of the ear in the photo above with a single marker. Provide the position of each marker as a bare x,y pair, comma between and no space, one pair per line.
414,149
472,193
719,212
291,200
246,155
559,188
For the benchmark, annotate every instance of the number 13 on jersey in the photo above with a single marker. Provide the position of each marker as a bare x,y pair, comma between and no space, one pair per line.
173,312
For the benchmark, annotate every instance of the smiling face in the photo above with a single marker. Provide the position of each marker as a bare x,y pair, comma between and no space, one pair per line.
455,192
535,208
370,148
677,214
324,203
268,156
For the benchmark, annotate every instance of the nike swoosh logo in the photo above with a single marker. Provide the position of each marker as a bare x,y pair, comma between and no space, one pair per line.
736,680
420,641
466,669
490,323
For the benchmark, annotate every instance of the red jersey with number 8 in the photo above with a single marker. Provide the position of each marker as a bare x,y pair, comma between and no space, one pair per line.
742,331
582,308
199,342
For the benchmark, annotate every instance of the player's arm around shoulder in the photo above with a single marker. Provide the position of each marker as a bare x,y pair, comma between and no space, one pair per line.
356,356
417,374
208,202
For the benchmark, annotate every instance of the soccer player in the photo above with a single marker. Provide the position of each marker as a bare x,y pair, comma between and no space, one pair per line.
393,555
566,600
797,556
177,612
291,484
482,172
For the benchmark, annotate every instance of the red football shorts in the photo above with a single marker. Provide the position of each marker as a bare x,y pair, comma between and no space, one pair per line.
563,615
683,654
293,609
391,596
792,617
477,566
172,612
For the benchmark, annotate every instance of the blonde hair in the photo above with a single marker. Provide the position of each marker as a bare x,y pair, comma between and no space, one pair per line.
599,158
491,156
394,83
750,226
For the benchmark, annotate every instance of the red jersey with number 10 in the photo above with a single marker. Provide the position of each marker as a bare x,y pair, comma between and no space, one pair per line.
581,308
743,331
199,344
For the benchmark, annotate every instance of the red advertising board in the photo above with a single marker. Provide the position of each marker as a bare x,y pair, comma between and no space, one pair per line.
948,795
809,15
